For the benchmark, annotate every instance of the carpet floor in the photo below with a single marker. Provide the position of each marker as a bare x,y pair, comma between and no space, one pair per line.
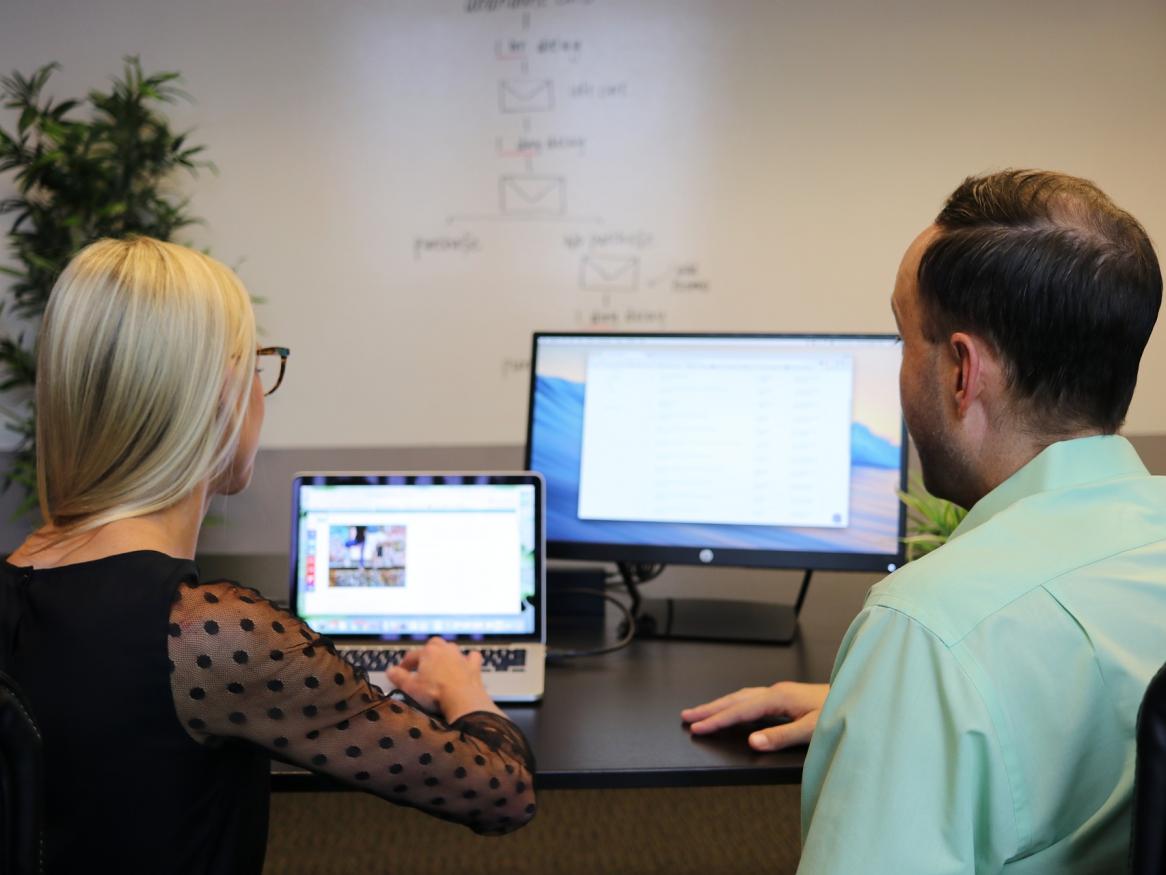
702,831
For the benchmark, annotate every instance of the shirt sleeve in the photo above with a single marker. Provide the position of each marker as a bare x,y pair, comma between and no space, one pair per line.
244,669
904,773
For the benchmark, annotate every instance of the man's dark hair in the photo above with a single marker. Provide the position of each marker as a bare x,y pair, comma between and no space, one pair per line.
1063,283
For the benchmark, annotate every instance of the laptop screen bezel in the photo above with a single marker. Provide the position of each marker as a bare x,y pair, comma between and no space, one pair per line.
436,478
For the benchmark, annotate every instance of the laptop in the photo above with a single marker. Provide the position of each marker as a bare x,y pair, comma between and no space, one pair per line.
380,562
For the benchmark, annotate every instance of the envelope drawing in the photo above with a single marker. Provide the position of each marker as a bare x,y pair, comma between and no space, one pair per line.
532,195
526,95
610,273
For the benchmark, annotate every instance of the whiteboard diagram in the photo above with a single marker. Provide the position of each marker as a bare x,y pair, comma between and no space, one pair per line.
543,75
522,96
532,195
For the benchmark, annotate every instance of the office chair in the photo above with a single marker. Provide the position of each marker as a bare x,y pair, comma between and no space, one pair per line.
21,784
1148,836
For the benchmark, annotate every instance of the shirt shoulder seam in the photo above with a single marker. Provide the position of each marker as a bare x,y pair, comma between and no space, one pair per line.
910,608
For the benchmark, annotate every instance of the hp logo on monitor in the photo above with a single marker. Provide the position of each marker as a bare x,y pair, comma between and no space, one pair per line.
705,555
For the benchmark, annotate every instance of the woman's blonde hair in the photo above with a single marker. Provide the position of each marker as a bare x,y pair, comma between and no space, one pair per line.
144,369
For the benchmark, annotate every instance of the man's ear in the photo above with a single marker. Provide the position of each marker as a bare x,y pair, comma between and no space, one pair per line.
971,360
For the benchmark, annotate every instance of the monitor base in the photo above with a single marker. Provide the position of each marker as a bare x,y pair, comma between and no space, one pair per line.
576,592
717,620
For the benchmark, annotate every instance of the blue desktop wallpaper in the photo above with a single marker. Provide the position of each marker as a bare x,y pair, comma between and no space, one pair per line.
556,448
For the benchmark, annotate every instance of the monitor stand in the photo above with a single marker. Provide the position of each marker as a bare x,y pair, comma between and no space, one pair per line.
722,620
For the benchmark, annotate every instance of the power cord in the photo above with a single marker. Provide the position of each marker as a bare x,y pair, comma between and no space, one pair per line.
641,572
628,623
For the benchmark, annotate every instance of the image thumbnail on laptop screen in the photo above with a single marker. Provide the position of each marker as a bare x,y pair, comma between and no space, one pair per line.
413,556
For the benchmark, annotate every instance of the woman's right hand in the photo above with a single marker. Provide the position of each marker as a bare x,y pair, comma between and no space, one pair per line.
440,678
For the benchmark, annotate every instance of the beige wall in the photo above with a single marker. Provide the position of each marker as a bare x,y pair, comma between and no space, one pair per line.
782,152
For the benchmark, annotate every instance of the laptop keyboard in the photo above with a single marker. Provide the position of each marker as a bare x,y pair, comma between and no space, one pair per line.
380,658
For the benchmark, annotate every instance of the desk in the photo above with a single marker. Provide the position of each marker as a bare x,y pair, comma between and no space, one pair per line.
613,721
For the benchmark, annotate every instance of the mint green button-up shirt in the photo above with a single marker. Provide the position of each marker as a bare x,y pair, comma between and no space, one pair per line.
983,704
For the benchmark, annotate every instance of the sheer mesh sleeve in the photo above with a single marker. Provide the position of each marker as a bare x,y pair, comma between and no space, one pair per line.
245,669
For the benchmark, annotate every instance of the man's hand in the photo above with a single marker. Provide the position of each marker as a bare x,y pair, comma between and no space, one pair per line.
800,704
440,678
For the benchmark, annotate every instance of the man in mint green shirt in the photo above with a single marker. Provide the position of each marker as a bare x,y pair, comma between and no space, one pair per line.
981,712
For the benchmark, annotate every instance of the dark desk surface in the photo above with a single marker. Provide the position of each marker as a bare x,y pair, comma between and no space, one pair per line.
613,721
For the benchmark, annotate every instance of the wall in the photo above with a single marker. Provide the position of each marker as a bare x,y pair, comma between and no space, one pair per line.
413,187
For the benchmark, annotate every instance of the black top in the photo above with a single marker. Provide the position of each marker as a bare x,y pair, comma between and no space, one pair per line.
161,699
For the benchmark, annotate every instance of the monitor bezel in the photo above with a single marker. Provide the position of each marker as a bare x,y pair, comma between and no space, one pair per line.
710,556
456,478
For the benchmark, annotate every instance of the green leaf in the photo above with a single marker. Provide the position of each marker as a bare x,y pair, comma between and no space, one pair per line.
931,520
102,165
62,108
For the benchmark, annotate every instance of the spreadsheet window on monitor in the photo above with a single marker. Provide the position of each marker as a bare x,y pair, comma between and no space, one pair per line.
760,445
753,440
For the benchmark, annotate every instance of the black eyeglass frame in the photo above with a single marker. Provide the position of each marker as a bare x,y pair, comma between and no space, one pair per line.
283,352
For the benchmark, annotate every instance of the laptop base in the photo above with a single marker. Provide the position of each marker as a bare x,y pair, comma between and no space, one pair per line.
515,686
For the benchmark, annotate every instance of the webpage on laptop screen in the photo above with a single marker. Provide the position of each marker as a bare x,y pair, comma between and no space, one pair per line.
417,559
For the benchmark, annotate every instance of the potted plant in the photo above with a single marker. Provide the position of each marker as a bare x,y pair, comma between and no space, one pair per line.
83,169
930,520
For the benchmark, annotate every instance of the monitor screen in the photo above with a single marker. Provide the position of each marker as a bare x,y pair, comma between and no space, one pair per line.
777,451
409,556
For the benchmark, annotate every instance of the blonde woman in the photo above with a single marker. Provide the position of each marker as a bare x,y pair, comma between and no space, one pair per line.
161,696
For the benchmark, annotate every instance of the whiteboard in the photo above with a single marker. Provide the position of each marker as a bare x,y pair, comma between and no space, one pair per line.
414,187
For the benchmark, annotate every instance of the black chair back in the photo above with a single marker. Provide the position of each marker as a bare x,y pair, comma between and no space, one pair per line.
1148,839
21,784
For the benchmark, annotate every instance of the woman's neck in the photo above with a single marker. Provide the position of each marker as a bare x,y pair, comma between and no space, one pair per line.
173,531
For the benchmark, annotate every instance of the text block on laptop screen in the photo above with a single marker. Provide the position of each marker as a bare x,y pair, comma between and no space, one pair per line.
754,438
433,559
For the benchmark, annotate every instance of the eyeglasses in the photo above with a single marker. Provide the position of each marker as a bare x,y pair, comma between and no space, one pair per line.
270,375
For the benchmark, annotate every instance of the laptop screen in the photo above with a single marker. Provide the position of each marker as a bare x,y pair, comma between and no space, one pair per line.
410,556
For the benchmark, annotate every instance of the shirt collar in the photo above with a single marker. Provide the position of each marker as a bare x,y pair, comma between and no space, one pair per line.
1059,466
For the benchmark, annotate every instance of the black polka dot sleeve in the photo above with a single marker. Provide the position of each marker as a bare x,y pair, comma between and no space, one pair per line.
242,668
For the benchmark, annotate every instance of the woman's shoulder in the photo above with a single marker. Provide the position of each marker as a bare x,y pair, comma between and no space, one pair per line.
146,572
218,604
223,591
48,561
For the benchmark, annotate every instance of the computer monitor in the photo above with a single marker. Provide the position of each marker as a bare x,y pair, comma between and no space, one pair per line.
775,451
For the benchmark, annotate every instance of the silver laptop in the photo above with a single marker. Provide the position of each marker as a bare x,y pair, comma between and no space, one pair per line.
380,562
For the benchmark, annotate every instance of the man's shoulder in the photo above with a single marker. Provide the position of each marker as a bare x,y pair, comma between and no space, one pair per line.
953,588
1022,549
